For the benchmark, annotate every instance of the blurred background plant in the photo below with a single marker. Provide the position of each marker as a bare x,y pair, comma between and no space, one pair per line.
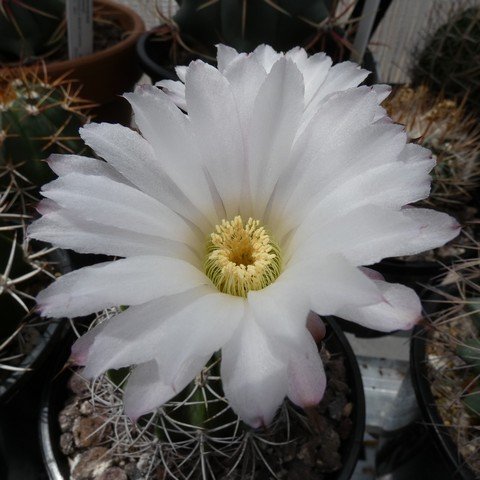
449,61
198,25
453,357
37,118
30,29
453,136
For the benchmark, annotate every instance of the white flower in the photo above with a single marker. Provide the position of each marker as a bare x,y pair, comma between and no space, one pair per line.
235,221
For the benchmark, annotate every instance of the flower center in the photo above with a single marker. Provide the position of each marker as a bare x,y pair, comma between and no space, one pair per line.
241,257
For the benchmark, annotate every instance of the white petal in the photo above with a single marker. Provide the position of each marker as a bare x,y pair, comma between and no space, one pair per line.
369,234
330,282
382,91
135,159
151,384
281,308
245,77
325,151
111,203
225,56
65,164
196,323
306,376
181,71
393,186
266,56
254,379
434,229
274,123
175,90
314,72
215,120
130,281
167,130
340,77
400,310
64,230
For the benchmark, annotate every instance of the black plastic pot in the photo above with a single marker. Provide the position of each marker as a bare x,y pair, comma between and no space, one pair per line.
49,340
55,395
455,467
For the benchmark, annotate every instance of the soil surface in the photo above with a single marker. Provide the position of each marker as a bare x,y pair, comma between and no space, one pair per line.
94,442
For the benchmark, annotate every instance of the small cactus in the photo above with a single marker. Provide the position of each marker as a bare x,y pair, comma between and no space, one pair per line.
22,272
451,134
199,25
37,118
449,61
29,28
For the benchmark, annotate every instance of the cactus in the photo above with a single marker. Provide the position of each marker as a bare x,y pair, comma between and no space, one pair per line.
453,357
199,25
28,29
451,134
37,118
22,271
449,61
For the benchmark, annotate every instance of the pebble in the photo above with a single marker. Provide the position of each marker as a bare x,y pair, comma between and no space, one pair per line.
78,385
92,463
66,443
88,431
67,416
112,473
86,408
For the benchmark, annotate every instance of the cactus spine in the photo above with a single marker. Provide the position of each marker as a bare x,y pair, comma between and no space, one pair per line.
29,28
37,118
198,25
449,61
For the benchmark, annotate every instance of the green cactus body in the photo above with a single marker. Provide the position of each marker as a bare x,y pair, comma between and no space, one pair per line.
28,29
36,120
450,60
244,25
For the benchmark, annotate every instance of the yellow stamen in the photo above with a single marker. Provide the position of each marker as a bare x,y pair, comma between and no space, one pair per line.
241,257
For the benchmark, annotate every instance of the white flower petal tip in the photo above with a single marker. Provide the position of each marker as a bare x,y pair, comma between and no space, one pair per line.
306,376
401,309
316,327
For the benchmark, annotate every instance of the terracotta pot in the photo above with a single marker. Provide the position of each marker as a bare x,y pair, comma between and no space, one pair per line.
106,74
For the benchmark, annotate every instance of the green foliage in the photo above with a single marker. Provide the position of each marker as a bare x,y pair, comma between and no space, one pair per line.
450,60
36,120
244,25
29,28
